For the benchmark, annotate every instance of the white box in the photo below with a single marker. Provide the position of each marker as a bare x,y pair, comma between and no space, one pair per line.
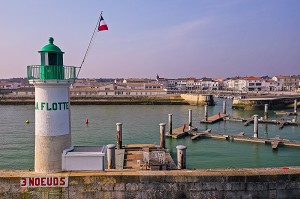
79,158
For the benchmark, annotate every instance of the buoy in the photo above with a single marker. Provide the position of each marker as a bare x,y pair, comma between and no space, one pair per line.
87,121
27,121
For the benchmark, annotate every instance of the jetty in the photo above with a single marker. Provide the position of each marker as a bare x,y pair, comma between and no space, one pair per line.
285,113
144,157
196,134
274,142
281,122
214,118
248,121
180,132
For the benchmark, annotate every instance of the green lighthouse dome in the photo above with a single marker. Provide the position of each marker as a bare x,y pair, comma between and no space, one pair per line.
51,47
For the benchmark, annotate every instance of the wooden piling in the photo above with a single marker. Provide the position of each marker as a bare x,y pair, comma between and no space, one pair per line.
111,161
224,107
206,112
181,156
266,114
170,124
190,119
255,128
119,135
162,135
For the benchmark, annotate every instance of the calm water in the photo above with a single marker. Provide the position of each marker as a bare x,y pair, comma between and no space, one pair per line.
141,125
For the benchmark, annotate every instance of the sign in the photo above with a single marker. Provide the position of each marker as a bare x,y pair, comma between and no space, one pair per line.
44,182
51,106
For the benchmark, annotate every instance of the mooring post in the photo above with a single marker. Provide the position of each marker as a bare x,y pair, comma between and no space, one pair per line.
181,157
190,119
205,112
295,105
266,112
119,135
162,135
255,128
170,124
224,107
111,160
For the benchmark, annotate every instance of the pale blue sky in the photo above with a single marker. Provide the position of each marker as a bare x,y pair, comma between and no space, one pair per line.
174,38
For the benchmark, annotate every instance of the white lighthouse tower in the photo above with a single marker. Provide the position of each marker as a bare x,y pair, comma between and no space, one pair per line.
52,108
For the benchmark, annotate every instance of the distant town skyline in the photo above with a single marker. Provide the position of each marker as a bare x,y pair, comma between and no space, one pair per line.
174,39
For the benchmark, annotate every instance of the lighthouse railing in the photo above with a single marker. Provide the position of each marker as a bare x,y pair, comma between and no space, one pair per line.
51,72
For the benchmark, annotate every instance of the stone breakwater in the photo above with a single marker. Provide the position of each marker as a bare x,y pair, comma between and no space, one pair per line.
220,183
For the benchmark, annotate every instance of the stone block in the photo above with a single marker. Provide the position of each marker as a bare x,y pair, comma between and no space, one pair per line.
272,185
119,187
132,187
281,185
88,194
203,194
235,179
257,186
272,194
237,186
132,194
144,179
107,187
208,186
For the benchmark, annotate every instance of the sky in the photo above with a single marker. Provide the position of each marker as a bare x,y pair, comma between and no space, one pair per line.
172,38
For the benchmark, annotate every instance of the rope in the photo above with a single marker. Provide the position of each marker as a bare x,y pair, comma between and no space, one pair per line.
90,44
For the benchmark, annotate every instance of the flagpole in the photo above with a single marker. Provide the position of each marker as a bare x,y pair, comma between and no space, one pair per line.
90,43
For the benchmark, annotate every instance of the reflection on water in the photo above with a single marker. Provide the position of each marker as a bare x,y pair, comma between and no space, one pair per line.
141,125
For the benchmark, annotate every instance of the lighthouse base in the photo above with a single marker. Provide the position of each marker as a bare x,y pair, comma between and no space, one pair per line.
48,152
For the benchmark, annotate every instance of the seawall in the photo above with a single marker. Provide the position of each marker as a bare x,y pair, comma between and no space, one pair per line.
275,103
198,99
215,183
104,100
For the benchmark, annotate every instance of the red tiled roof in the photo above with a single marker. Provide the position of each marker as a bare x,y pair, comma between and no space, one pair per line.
251,78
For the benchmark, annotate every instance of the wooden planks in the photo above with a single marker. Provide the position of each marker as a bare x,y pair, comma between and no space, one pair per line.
214,118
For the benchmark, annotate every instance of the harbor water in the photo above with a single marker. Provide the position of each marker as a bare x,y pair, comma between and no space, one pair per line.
141,125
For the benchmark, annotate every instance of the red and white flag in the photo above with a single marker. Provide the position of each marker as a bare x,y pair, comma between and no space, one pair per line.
102,25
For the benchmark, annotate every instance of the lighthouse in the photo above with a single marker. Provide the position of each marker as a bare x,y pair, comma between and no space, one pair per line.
51,80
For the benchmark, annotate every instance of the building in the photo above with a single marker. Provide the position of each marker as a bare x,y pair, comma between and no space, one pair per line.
288,83
251,84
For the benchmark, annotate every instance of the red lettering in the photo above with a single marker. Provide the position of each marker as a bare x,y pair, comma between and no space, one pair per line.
31,182
62,181
49,181
23,182
55,181
37,181
43,181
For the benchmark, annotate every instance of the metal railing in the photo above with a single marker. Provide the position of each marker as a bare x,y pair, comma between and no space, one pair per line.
51,72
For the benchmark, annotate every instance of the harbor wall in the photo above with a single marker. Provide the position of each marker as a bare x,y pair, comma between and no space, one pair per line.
168,99
198,99
219,183
275,103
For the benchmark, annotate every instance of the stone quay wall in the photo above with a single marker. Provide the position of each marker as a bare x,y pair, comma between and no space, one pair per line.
198,99
217,183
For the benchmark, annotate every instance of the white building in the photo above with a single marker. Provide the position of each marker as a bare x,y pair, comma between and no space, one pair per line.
288,83
251,84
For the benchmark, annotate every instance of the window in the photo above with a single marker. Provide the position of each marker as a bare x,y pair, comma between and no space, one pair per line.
52,58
